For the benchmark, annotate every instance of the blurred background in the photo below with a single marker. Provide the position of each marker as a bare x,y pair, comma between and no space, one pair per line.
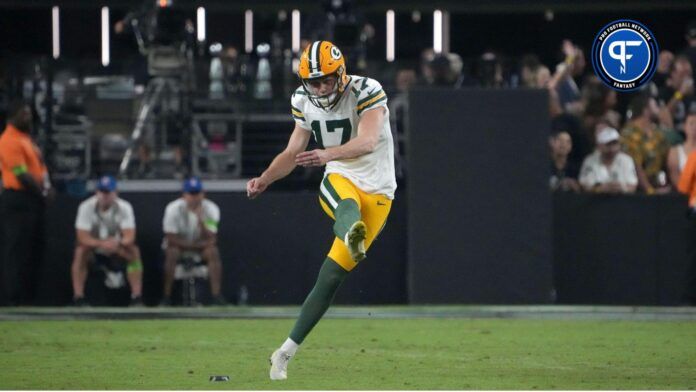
494,108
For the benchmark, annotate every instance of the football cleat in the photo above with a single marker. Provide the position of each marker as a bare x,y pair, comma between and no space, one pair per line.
279,365
355,240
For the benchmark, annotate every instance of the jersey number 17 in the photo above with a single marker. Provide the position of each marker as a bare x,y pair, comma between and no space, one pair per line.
331,126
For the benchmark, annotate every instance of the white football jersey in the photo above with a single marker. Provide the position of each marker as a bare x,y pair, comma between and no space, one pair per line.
374,172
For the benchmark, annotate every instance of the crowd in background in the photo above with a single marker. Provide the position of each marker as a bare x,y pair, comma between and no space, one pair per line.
597,147
597,143
651,123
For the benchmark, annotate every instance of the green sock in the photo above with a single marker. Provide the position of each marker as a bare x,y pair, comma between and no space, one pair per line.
331,275
346,213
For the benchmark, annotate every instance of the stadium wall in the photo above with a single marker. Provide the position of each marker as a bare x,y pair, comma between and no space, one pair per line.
621,250
479,206
613,250
273,245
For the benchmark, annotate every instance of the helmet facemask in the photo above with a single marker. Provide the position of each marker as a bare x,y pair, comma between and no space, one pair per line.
327,101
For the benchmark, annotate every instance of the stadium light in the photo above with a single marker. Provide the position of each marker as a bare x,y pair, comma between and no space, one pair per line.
105,50
55,17
248,31
200,24
295,31
437,31
390,35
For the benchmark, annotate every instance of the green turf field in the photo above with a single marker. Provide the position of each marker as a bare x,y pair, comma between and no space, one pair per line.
350,354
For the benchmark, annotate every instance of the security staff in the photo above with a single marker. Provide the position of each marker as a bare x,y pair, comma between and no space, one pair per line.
22,203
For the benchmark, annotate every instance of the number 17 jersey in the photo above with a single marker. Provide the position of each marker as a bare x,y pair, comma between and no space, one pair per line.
372,172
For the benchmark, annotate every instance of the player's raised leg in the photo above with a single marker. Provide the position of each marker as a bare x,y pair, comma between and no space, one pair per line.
343,202
370,212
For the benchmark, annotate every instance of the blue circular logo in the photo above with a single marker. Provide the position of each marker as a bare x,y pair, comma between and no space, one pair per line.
624,55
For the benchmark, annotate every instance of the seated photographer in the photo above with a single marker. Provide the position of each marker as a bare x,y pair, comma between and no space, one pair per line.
190,226
105,226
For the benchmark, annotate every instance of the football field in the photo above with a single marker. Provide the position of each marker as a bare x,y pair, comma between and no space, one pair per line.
353,348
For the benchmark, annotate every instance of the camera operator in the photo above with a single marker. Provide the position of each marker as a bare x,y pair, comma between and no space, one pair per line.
157,23
165,37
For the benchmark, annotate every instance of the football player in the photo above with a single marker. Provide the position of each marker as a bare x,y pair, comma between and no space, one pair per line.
349,119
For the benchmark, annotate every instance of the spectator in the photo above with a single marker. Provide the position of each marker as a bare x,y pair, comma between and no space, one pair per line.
564,173
544,80
561,86
231,65
426,58
664,65
442,73
599,102
26,186
676,159
687,186
647,144
582,142
190,226
690,50
398,110
489,70
608,170
572,66
105,226
528,70
677,96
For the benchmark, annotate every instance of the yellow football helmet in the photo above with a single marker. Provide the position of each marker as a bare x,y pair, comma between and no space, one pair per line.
319,60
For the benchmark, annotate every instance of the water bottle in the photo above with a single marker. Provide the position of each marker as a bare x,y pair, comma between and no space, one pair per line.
243,298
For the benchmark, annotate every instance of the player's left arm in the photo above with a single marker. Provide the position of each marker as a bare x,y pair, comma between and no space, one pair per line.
369,128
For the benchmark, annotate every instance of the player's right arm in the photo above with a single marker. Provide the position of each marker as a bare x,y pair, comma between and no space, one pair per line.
282,165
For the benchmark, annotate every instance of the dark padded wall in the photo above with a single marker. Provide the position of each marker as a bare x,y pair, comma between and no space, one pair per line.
273,245
620,250
479,206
